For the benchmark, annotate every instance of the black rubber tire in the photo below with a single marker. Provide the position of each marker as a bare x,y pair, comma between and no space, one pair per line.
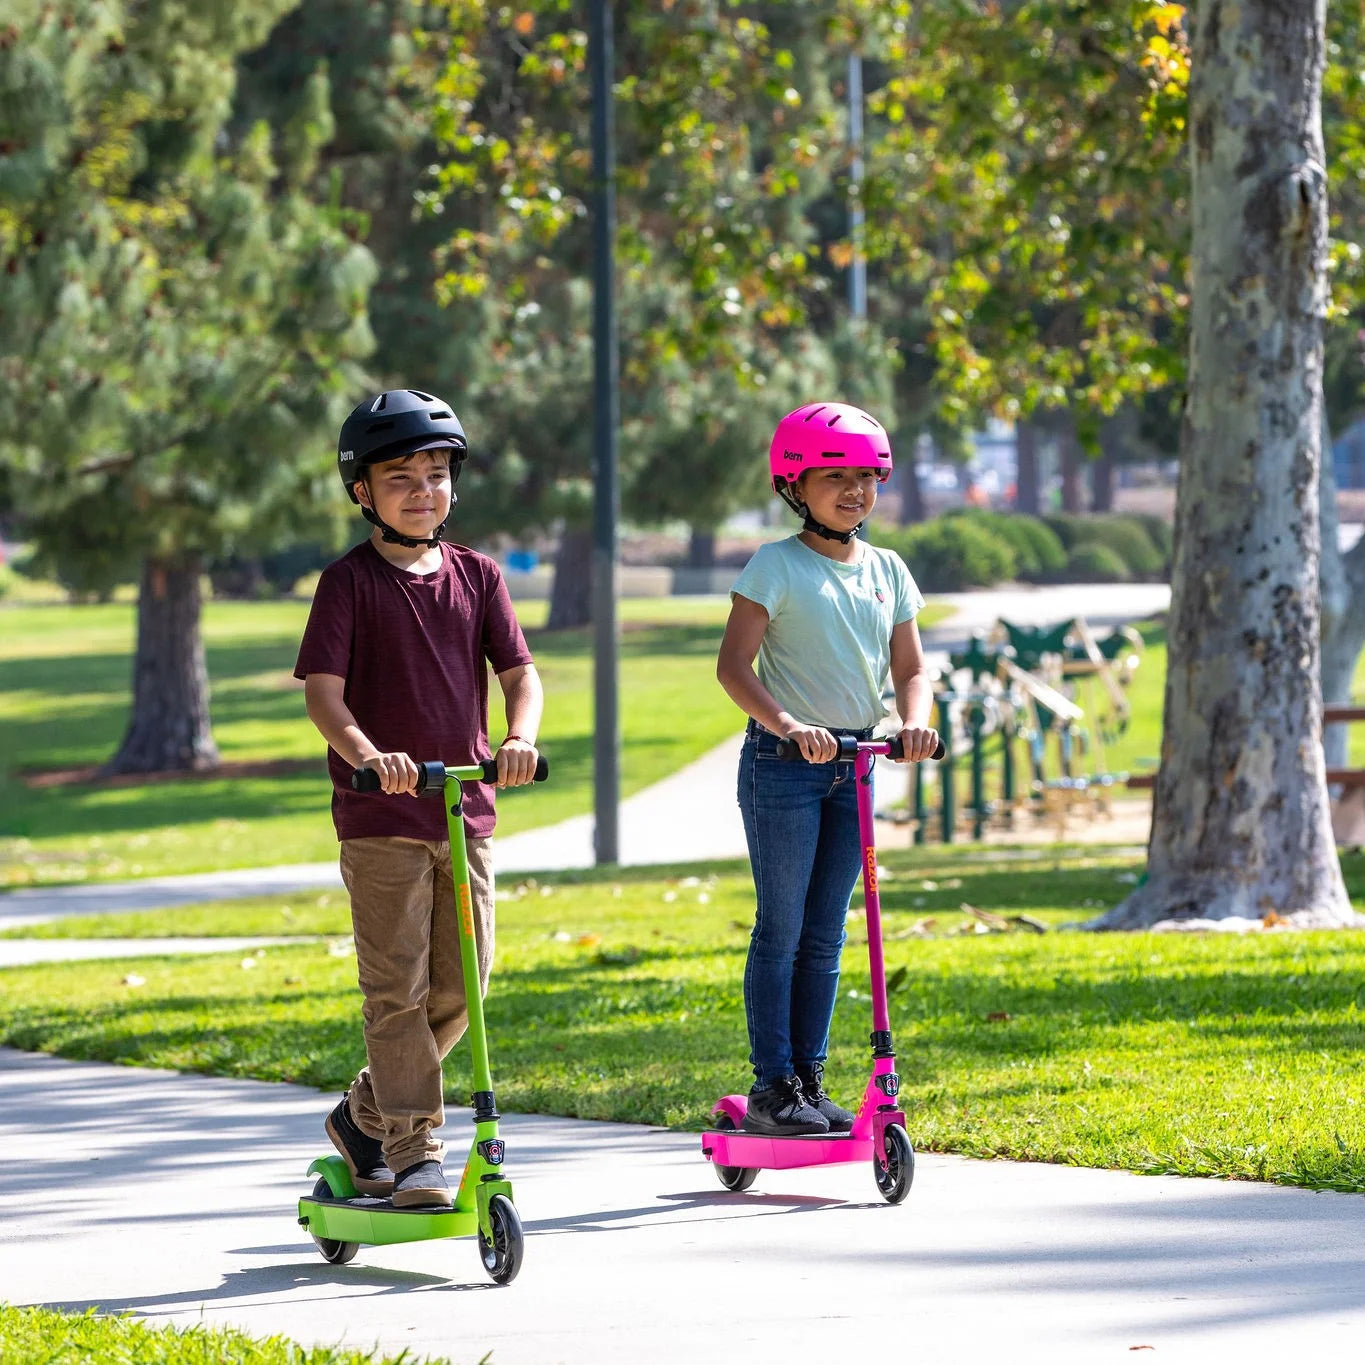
735,1178
502,1256
337,1253
894,1182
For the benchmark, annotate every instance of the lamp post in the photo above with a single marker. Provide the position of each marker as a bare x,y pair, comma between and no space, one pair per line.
606,420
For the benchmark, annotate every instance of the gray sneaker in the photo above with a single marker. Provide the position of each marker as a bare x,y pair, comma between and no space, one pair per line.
780,1110
421,1186
813,1088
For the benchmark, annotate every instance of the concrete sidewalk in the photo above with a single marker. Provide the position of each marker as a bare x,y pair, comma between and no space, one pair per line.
173,1198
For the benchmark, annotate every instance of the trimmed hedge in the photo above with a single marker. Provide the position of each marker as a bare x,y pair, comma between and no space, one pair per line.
949,554
1092,562
1038,554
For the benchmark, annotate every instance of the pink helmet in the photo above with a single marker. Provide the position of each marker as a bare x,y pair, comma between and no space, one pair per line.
818,435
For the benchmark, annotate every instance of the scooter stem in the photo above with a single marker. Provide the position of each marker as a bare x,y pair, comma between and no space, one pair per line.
872,902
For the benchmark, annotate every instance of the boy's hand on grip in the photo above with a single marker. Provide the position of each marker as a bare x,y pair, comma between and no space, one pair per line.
919,744
397,773
516,760
816,745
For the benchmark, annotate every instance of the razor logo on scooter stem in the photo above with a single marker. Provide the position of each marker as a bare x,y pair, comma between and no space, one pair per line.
871,870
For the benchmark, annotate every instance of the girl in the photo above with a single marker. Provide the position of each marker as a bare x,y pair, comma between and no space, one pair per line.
826,615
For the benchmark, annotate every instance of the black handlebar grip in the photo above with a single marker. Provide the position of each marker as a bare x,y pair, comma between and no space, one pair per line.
365,780
790,750
431,776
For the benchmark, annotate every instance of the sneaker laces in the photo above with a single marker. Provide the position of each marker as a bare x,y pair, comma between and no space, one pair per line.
812,1083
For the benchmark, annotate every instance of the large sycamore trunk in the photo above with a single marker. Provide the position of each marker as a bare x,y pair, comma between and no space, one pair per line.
169,729
1241,824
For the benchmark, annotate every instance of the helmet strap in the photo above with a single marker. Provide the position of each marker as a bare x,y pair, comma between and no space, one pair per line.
828,533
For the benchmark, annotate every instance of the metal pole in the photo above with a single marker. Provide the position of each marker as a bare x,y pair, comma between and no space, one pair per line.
857,273
606,420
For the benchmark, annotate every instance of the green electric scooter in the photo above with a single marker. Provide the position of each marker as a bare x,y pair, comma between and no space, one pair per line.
336,1216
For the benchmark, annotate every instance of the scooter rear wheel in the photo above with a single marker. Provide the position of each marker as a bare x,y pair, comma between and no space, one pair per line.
502,1256
736,1178
337,1253
894,1181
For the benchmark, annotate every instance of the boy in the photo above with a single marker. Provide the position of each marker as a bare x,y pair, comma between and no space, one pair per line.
393,665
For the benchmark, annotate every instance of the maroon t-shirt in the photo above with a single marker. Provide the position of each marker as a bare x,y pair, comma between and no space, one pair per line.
412,649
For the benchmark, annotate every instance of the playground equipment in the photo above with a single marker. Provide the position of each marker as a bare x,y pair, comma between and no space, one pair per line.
1023,683
879,1131
340,1220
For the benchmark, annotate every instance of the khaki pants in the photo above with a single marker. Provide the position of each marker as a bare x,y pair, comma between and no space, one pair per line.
407,947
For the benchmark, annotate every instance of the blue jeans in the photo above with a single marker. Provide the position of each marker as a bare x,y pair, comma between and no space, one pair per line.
801,823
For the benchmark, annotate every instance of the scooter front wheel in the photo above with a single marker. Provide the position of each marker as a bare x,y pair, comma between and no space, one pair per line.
736,1178
337,1253
893,1180
501,1255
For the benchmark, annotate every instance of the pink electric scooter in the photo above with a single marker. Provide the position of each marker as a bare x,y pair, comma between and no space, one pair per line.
878,1132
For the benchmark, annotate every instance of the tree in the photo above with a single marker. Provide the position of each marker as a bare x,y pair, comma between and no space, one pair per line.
183,323
1241,824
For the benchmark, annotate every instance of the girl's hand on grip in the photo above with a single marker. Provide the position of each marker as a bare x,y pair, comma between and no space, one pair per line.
816,745
920,744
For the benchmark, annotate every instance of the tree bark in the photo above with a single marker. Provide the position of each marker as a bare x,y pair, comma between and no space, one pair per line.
701,548
1241,825
1102,484
1026,477
1070,459
169,729
912,495
571,590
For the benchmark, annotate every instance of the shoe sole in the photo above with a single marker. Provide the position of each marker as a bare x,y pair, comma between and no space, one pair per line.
423,1199
788,1130
380,1188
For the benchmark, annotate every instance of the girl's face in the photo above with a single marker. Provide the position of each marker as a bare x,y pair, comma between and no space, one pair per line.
411,494
839,498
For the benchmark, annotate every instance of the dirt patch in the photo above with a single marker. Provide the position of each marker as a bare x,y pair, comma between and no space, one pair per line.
89,777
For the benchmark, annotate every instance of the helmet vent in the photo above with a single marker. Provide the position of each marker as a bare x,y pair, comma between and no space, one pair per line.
834,419
425,397
441,415
378,426
814,412
379,403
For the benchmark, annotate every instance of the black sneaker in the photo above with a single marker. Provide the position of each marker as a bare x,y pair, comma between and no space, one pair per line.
781,1111
422,1186
364,1155
813,1088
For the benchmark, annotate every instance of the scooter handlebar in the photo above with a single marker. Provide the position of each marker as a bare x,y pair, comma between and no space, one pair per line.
790,750
431,776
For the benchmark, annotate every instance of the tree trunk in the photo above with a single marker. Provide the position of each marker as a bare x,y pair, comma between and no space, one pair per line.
1102,484
1071,469
701,548
912,495
571,591
169,729
1241,825
1026,477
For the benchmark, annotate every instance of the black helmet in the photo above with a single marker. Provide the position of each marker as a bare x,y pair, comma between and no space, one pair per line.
393,424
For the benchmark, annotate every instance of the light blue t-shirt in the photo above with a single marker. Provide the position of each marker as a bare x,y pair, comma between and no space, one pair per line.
827,649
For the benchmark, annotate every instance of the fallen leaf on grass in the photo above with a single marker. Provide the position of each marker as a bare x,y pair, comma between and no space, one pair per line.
999,1017
133,979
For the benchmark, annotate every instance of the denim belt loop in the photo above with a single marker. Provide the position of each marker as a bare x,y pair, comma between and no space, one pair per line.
753,730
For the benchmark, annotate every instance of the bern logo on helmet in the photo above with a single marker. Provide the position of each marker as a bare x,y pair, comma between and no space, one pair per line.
791,455
347,455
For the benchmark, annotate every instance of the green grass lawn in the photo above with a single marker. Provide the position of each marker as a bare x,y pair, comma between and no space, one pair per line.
32,1335
620,998
64,696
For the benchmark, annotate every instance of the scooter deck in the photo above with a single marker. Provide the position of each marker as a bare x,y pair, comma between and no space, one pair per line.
376,1222
784,1153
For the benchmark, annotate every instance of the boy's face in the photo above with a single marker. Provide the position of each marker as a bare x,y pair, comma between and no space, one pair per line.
412,494
838,498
